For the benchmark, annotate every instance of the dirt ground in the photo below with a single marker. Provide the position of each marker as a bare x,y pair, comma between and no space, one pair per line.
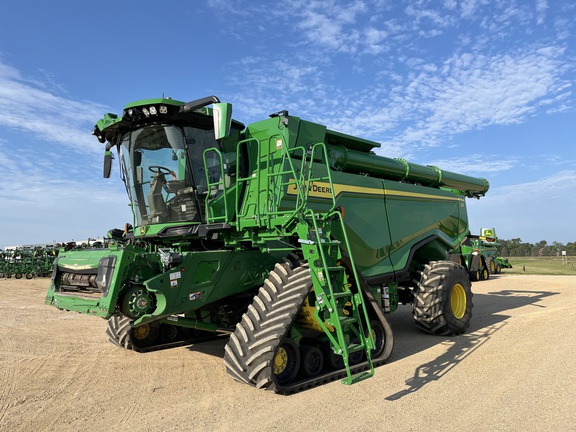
513,371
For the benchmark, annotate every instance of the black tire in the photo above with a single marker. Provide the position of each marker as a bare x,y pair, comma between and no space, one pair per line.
484,271
456,258
474,273
442,302
498,269
121,333
170,333
379,334
332,360
311,361
29,275
491,265
286,361
18,275
250,352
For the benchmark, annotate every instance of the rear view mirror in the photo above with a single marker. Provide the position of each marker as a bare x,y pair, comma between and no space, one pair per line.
107,163
222,116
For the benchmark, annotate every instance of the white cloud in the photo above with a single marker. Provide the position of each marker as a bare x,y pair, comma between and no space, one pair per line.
479,163
53,119
52,176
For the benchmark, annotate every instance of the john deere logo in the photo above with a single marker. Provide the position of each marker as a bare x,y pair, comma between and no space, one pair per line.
322,190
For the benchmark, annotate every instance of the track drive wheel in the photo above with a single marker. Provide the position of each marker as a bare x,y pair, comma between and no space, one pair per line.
121,333
286,361
443,299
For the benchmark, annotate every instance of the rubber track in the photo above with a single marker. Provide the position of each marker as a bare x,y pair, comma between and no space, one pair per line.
249,353
118,332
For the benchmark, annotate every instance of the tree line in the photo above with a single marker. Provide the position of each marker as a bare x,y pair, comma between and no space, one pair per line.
516,248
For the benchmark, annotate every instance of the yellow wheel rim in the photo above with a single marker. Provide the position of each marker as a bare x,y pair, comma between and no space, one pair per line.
141,332
280,360
458,301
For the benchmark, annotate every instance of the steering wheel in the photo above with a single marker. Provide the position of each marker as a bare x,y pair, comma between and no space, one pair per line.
160,169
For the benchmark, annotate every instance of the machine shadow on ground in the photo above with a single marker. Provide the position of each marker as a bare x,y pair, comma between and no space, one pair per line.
488,318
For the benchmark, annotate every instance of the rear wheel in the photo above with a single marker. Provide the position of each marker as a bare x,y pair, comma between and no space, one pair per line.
491,265
443,299
475,273
484,273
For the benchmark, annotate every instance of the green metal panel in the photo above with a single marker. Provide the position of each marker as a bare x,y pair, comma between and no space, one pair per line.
86,262
415,213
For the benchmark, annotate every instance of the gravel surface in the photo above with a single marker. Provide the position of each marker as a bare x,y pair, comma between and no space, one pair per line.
512,371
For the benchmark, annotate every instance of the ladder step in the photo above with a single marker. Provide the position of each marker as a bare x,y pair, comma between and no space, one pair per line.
335,268
355,347
357,378
342,294
347,320
325,242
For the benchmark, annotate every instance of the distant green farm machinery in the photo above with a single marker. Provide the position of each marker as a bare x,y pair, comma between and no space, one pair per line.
27,262
480,255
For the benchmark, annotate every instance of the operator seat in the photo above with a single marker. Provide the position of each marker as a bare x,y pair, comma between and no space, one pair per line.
156,202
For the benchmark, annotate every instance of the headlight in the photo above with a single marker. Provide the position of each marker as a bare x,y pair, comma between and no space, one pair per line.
105,271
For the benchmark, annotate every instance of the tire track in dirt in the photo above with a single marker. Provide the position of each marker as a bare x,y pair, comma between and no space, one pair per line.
7,366
7,375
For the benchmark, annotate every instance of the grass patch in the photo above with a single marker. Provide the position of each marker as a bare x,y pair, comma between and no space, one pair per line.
542,266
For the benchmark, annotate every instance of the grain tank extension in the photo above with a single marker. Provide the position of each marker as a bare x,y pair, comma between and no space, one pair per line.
291,240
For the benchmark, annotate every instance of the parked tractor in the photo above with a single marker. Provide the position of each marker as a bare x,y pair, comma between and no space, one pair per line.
292,240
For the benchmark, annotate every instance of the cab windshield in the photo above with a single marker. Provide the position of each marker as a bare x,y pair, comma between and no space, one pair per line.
164,172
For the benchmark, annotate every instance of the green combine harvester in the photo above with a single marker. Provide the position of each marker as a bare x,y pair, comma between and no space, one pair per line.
292,240
488,246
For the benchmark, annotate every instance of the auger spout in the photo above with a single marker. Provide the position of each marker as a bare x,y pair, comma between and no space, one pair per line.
357,162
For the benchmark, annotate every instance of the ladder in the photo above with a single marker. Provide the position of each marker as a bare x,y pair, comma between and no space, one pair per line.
336,305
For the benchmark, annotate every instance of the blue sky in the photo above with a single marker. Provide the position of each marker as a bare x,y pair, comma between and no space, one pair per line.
478,87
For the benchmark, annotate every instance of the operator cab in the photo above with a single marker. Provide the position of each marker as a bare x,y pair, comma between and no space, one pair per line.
162,144
164,172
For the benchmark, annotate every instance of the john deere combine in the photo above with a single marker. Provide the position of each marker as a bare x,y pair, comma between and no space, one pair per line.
291,239
487,244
